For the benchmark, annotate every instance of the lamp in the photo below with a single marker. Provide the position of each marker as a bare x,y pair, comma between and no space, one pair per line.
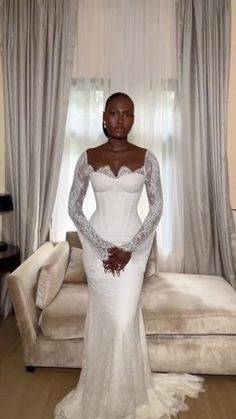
6,205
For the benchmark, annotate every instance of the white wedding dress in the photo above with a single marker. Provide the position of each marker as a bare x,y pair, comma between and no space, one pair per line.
116,381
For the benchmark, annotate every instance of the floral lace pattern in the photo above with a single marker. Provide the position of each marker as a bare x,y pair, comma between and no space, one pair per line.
150,170
76,199
123,170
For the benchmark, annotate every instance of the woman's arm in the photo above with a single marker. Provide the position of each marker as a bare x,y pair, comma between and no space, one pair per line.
155,199
75,208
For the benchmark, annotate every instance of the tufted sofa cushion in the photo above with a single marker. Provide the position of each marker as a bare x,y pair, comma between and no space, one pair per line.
189,304
173,304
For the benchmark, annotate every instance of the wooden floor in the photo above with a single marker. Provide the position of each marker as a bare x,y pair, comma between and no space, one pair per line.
34,395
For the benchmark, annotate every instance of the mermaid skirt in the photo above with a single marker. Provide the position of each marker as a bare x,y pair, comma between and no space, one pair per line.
116,381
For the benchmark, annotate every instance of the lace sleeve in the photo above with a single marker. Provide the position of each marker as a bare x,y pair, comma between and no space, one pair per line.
155,200
75,208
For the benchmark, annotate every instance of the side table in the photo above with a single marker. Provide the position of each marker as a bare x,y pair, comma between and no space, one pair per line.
9,261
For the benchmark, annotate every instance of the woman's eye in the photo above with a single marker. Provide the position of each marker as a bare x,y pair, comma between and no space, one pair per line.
112,113
129,115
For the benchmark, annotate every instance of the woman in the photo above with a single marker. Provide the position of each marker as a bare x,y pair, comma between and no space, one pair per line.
116,381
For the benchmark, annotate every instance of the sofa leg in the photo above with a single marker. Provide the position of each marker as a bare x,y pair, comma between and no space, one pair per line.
30,368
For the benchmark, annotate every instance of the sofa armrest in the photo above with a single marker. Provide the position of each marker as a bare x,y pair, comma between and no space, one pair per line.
22,285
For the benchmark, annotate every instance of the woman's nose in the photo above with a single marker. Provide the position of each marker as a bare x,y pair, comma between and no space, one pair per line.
120,119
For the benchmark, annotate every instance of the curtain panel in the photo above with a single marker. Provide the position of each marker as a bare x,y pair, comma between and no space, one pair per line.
128,46
204,54
37,53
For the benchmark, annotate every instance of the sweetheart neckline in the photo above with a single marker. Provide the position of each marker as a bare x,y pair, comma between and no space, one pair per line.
123,170
106,169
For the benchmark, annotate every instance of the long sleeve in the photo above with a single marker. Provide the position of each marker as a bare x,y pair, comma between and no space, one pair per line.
155,200
75,208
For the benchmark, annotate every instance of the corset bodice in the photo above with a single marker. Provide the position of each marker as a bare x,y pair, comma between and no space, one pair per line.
117,201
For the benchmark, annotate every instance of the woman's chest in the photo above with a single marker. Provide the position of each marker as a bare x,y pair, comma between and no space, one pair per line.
127,181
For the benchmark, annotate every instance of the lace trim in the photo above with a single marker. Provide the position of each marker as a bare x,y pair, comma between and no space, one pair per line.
123,170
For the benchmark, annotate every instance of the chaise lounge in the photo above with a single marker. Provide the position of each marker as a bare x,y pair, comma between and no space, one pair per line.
190,320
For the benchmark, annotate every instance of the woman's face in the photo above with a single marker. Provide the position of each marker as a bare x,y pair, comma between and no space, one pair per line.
119,117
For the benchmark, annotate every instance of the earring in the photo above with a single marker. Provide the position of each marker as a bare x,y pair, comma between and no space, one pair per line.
104,124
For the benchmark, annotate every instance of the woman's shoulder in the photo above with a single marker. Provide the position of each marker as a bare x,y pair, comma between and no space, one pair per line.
92,151
89,151
136,148
150,154
144,151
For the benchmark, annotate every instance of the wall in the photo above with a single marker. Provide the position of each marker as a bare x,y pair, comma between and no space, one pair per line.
231,146
2,165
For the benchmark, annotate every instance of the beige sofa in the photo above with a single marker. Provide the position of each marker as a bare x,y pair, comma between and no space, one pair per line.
190,320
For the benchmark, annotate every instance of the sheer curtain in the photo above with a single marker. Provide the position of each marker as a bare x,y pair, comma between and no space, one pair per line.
127,46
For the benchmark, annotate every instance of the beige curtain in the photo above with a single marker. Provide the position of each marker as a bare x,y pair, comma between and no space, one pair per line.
204,52
37,52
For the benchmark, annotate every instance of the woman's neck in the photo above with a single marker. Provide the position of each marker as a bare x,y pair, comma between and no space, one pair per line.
117,145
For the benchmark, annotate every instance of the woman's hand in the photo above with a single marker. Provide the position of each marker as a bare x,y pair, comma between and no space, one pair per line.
117,260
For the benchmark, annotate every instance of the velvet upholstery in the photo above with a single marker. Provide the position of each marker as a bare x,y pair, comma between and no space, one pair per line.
56,353
210,354
189,319
165,307
189,304
64,318
75,271
22,284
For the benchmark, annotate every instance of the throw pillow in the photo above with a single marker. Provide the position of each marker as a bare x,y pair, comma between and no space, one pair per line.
52,275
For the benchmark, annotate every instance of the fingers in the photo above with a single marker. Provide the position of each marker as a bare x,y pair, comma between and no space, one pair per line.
113,261
117,260
113,258
113,249
112,252
113,272
114,267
